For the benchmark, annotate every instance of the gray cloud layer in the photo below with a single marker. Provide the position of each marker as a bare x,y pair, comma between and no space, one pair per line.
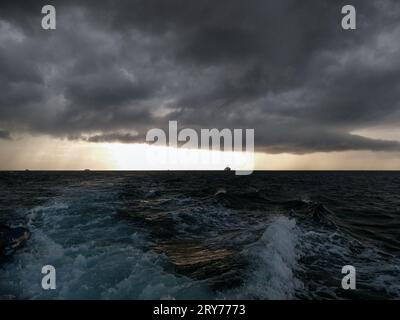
285,68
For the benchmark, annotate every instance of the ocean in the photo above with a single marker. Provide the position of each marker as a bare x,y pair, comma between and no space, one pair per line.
203,235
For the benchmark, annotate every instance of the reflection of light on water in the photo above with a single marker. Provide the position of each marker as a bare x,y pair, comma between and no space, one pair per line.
146,157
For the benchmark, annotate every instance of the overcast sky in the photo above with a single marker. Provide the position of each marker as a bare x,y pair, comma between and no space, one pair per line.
114,69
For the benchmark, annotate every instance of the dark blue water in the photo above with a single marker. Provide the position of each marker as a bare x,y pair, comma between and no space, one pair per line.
174,235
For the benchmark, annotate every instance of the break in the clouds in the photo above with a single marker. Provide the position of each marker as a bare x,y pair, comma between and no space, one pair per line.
114,69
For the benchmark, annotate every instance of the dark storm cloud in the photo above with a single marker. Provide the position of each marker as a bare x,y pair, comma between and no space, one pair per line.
115,137
5,135
285,68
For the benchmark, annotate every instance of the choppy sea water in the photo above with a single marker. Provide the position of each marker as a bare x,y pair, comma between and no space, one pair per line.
203,235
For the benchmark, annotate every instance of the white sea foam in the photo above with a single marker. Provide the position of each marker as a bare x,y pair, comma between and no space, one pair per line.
100,256
96,256
273,261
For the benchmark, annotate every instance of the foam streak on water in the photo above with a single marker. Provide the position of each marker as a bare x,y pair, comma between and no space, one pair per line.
274,259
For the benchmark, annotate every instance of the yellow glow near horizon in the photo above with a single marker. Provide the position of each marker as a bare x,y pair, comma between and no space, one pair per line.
147,157
46,153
